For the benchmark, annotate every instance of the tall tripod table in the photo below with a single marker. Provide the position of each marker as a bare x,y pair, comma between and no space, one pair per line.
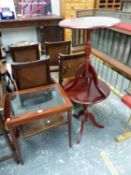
86,88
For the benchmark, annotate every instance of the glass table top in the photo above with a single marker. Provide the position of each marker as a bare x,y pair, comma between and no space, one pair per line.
36,100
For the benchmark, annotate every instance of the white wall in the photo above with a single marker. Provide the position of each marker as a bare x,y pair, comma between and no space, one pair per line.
11,36
55,4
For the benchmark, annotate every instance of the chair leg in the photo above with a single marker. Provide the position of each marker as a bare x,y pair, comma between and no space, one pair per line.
11,148
16,145
13,152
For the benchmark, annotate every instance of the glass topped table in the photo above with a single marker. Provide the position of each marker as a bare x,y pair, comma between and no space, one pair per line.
46,103
37,100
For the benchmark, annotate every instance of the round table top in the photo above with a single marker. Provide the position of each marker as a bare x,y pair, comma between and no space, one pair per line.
90,22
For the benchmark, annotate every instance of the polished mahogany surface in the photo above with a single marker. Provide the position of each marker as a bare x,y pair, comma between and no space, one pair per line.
87,71
30,22
86,88
79,92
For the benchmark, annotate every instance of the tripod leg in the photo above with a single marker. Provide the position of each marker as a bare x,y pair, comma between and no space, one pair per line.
82,126
94,122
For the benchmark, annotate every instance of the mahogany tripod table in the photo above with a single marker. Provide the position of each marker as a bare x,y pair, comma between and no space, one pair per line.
86,88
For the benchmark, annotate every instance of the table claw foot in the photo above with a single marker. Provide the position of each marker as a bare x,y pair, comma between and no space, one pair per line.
94,122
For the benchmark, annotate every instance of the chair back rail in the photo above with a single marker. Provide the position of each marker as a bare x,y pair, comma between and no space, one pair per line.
31,74
54,48
25,53
69,64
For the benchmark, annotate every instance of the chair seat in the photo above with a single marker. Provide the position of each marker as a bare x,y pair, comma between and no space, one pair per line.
82,91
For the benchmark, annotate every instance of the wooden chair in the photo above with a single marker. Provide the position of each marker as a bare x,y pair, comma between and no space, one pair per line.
31,74
25,53
69,64
80,90
53,49
28,75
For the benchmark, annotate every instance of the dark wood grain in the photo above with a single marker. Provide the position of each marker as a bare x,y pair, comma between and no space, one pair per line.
30,22
25,53
31,74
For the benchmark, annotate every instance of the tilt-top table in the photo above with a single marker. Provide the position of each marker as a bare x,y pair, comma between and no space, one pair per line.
86,88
